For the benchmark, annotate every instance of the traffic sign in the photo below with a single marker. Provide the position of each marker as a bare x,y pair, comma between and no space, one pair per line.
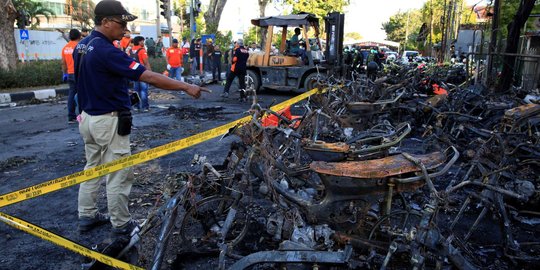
24,34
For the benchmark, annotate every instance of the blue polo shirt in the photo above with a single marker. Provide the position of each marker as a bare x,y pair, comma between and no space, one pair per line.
102,85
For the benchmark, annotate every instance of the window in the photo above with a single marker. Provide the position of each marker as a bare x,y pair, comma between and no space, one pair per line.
57,8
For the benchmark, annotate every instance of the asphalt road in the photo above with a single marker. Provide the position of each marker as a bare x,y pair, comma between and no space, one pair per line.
37,144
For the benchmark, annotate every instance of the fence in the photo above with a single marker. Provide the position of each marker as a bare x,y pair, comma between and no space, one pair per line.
526,69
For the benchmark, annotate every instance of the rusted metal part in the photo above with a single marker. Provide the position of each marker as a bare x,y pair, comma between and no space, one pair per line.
514,117
358,242
378,168
295,256
362,107
319,150
375,146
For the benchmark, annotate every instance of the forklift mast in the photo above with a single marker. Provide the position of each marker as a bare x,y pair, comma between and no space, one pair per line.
334,24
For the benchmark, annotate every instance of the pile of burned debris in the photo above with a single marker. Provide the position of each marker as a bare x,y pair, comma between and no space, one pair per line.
409,171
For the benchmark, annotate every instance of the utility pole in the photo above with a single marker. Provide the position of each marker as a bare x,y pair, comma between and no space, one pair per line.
158,21
192,25
452,24
166,13
430,28
443,41
407,31
493,42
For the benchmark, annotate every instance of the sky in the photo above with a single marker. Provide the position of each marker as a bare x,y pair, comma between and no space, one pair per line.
367,16
362,16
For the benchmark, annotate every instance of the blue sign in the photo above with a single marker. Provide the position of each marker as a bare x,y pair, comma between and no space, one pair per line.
204,38
24,34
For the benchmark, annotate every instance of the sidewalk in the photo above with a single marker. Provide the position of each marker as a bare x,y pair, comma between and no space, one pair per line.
43,94
11,99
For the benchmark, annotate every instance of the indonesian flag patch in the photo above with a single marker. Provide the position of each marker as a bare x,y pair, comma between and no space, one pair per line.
134,65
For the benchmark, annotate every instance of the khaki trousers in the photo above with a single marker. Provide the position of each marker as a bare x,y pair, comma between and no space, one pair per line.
102,144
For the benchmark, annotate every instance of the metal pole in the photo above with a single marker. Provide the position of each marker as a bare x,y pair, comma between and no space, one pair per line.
493,41
191,22
158,21
430,28
407,31
169,28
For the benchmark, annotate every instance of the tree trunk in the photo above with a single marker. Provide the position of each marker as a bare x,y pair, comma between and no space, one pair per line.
263,30
8,48
512,42
213,15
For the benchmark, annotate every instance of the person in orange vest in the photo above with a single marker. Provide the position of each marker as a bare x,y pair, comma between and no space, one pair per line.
68,69
138,53
124,42
174,58
238,69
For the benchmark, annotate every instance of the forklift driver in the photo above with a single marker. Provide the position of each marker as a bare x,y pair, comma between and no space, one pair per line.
294,44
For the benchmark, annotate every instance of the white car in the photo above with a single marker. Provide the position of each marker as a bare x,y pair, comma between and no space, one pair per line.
408,56
391,56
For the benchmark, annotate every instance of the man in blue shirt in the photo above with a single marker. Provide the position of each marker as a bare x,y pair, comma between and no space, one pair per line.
102,73
295,45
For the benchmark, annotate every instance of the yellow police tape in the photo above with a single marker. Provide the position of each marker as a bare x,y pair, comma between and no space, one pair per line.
104,169
63,242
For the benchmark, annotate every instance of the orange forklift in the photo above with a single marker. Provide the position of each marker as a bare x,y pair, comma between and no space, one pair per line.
283,71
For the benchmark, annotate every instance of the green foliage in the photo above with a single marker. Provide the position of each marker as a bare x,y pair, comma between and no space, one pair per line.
82,11
251,36
508,11
32,73
353,35
396,26
223,41
404,27
318,7
158,64
179,8
432,13
33,10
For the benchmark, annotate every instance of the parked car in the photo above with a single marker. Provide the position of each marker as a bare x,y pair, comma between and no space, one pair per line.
408,56
391,56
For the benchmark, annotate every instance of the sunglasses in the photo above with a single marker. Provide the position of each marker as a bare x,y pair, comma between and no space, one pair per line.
121,23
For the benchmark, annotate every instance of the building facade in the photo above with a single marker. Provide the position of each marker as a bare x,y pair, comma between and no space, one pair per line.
145,10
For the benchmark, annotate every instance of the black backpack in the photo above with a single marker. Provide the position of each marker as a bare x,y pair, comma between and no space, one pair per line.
135,55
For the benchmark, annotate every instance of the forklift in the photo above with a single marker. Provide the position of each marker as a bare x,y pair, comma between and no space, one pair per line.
283,71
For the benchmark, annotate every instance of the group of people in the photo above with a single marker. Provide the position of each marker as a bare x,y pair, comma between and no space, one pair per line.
99,73
357,59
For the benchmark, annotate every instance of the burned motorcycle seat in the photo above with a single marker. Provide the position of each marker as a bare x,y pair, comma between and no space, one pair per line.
378,168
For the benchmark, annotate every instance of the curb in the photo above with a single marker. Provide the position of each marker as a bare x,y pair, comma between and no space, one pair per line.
10,99
37,94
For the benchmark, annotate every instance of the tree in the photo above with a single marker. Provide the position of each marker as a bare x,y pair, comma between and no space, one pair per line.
320,8
35,10
81,11
251,35
353,36
8,48
263,30
403,27
512,41
9,13
395,27
213,15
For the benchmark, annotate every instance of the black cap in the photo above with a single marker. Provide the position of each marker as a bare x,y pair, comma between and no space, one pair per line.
112,8
175,40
